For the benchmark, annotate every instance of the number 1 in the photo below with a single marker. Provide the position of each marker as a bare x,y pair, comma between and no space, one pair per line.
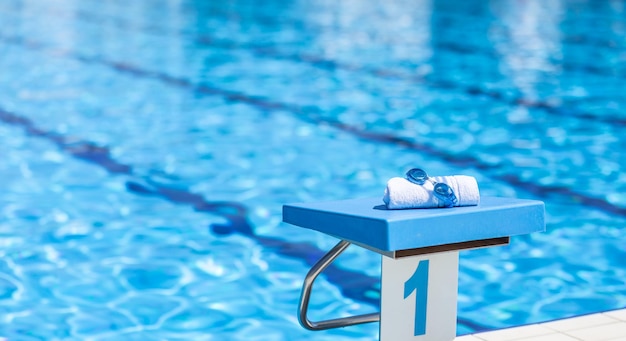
419,283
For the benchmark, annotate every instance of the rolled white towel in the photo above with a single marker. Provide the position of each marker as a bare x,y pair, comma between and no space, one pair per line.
401,193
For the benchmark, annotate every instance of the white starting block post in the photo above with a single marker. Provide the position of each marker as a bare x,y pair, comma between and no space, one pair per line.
420,256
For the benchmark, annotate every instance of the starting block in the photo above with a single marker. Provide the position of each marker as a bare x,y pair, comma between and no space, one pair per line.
420,256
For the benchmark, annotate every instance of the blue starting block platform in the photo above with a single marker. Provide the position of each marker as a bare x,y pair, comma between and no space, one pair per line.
420,248
368,223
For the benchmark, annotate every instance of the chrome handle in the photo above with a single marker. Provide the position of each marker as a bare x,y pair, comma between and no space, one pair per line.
322,264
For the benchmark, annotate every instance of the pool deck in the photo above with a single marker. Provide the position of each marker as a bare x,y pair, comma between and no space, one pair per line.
609,326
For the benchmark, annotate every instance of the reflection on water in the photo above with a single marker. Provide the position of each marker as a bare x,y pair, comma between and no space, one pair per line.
149,146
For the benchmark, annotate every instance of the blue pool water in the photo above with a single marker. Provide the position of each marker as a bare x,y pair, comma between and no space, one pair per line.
148,146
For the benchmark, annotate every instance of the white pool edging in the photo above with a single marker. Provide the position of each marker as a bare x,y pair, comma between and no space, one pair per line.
606,326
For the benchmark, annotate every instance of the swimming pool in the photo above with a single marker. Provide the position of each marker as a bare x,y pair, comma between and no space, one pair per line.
148,148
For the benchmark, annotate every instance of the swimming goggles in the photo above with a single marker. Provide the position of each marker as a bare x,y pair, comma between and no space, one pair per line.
442,191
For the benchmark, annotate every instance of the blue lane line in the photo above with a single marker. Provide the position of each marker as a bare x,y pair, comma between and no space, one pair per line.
332,65
352,284
314,115
468,90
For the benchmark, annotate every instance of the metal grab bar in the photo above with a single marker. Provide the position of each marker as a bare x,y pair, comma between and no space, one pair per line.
306,295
